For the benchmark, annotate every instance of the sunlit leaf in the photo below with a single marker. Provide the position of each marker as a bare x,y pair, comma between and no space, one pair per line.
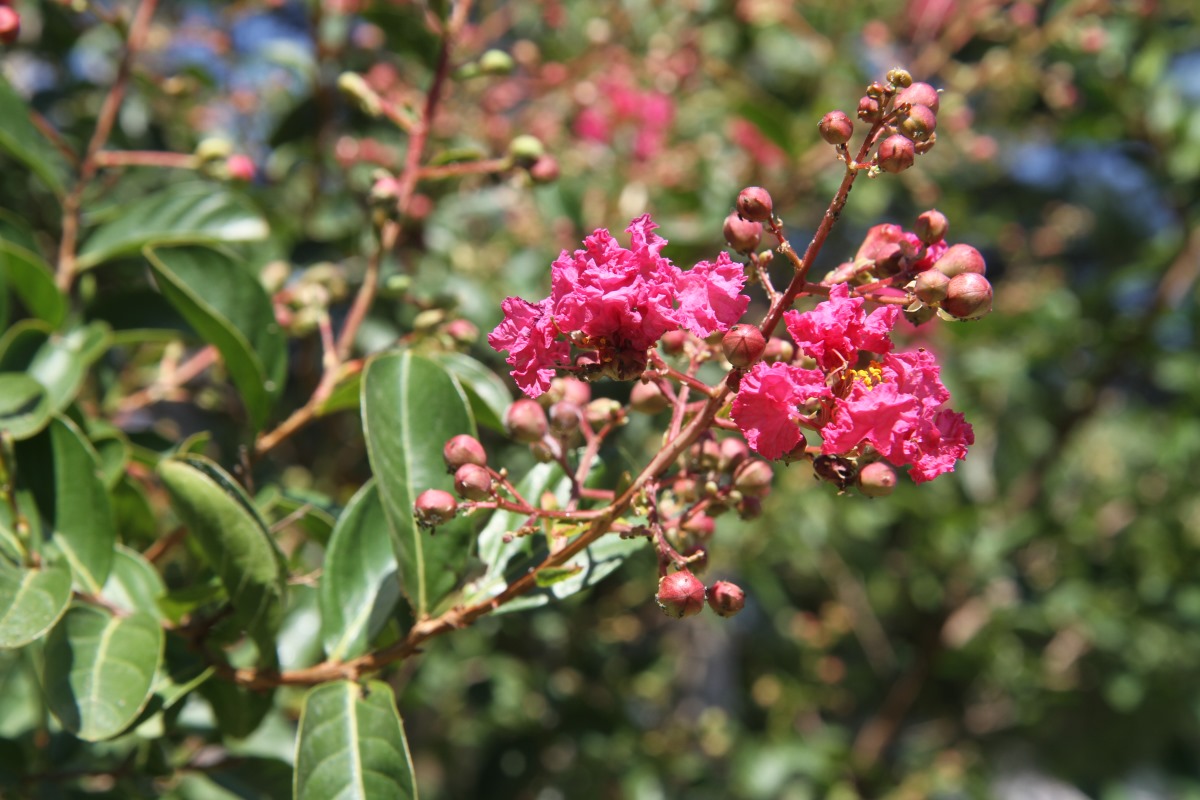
31,601
26,143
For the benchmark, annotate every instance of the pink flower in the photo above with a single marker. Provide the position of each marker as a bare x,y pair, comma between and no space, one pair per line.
529,336
836,330
767,405
709,298
895,407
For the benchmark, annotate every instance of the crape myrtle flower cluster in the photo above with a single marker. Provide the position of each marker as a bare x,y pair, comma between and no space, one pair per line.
834,391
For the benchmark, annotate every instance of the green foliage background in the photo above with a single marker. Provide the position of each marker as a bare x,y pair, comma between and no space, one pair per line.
1033,616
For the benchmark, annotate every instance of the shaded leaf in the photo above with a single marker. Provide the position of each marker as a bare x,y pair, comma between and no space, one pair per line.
134,584
359,587
61,364
24,405
99,670
411,406
24,142
234,540
31,601
33,281
230,310
185,214
351,745
485,389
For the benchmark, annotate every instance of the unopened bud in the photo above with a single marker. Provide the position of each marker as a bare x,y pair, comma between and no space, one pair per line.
754,203
836,127
700,525
869,110
462,331
602,411
733,452
541,452
749,508
673,341
525,421
920,94
753,478
213,149
931,286
647,398
526,150
704,455
877,479
10,25
570,390
434,507
680,594
932,226
743,345
896,153
960,258
918,123
495,62
565,418
241,168
463,449
726,598
473,482
743,235
355,87
778,350
919,315
544,170
900,77
968,296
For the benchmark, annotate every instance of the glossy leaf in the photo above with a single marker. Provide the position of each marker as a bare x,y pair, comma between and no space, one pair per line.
33,281
24,405
233,539
359,587
182,214
229,309
99,670
31,601
134,584
411,406
23,141
351,745
488,393
508,560
62,363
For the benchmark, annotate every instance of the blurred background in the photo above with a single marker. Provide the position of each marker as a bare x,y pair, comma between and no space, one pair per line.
1028,626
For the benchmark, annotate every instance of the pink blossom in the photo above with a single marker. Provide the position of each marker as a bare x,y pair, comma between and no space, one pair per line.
529,336
836,330
767,405
709,296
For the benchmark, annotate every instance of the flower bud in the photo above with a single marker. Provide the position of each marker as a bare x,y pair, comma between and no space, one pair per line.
754,204
241,168
673,341
743,345
525,421
925,145
526,150
931,286
542,452
869,110
960,258
602,411
700,525
918,123
968,296
778,350
932,226
355,87
749,508
647,398
704,455
495,62
10,25
753,478
462,331
733,452
919,315
565,418
215,148
680,594
433,507
920,94
570,390
463,449
544,170
726,598
896,154
877,479
473,482
742,234
898,76
836,127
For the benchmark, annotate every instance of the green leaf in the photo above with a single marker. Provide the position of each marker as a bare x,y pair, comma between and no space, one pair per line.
24,405
230,310
62,363
31,601
234,540
26,143
359,587
345,394
33,281
99,670
196,213
508,560
411,406
134,584
485,389
351,745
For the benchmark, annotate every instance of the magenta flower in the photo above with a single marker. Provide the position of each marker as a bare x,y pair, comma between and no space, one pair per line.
836,330
767,407
617,302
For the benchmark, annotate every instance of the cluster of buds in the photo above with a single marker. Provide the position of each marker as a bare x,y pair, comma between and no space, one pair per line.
302,304
903,119
681,594
10,23
215,158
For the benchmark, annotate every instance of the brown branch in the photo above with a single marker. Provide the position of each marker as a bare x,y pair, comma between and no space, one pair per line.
145,158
